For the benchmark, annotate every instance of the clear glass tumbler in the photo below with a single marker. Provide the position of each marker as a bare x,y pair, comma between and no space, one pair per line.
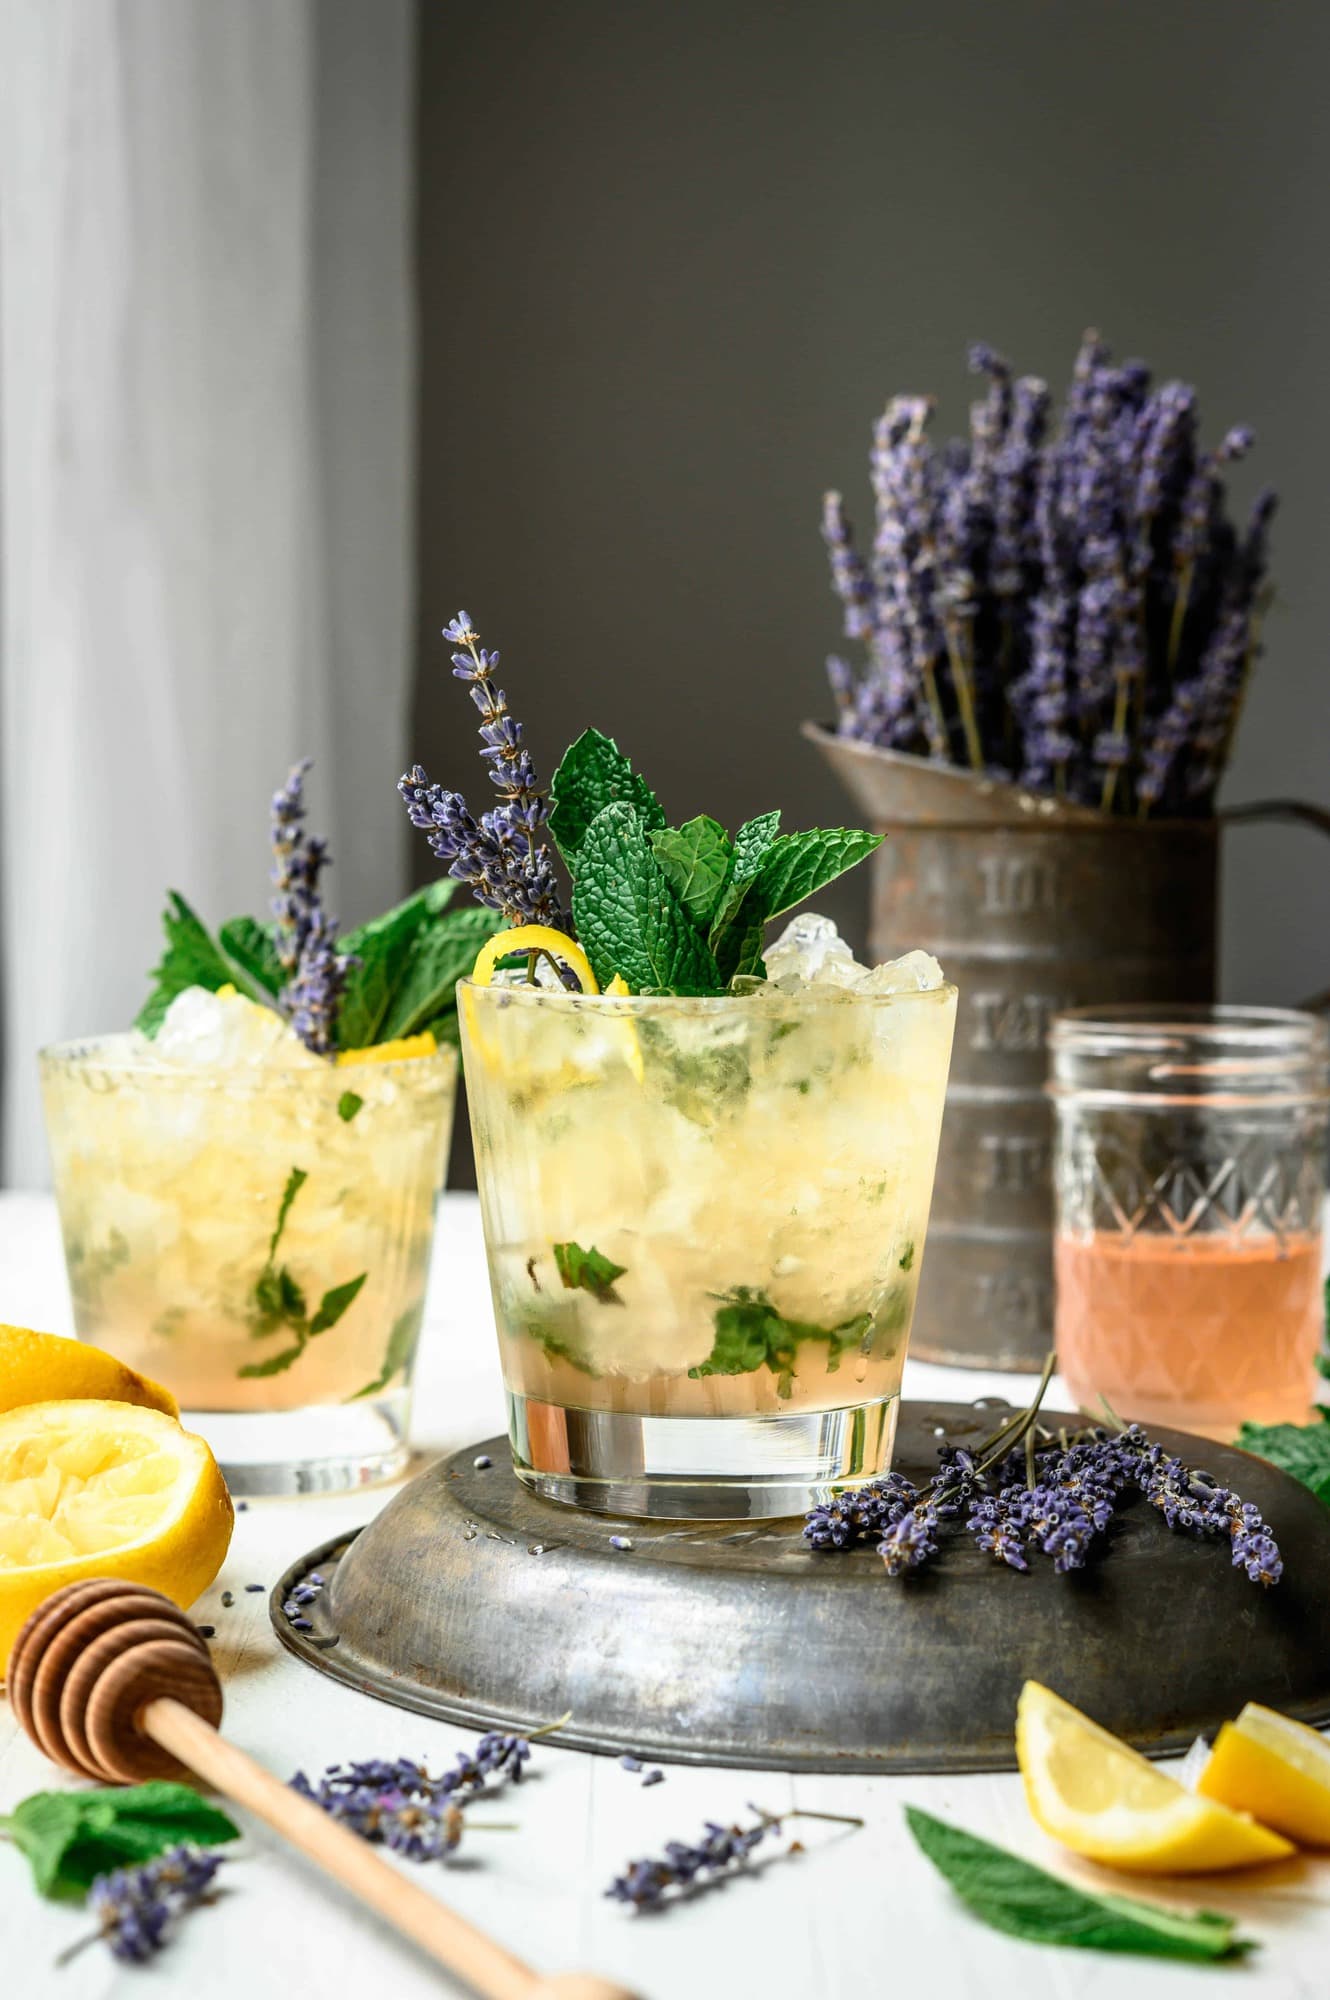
705,1222
257,1238
1190,1183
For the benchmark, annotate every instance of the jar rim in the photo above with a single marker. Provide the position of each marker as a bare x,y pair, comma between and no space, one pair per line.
1143,1026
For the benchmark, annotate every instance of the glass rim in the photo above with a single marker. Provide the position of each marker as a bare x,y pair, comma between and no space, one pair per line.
700,1003
89,1052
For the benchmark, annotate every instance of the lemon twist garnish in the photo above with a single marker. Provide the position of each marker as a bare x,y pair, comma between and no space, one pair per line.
402,1049
534,937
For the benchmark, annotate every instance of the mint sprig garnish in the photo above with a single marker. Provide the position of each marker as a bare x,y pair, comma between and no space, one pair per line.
697,857
1026,1902
280,1301
593,774
631,923
193,957
70,1838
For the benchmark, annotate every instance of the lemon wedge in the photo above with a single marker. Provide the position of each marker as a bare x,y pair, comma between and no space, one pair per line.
534,937
42,1367
104,1489
1274,1768
1103,1800
401,1050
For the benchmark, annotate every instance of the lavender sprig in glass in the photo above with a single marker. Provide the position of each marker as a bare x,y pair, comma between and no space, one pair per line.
305,933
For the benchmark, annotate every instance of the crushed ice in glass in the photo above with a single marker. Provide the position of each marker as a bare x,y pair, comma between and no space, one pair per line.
810,951
205,1028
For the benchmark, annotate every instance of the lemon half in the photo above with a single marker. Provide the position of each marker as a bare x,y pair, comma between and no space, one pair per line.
38,1367
1103,1800
1274,1768
104,1489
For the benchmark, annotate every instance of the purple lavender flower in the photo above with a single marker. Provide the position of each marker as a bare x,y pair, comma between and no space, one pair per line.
403,1806
645,1883
137,1908
849,578
500,856
305,934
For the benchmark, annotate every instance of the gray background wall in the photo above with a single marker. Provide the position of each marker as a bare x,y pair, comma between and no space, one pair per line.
674,257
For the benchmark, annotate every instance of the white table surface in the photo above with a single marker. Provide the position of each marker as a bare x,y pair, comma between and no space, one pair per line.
859,1910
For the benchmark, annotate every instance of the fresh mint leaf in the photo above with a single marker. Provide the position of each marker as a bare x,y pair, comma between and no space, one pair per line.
401,1346
291,1295
796,865
72,1837
347,1106
738,949
628,917
696,857
383,948
334,1303
1301,1450
295,1180
750,1333
750,845
249,946
273,1364
593,774
192,958
441,953
587,1271
906,1259
1014,1896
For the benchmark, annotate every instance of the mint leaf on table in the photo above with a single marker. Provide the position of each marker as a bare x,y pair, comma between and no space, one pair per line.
594,773
1014,1896
629,919
750,845
1301,1450
696,857
383,948
587,1271
440,953
192,958
72,1837
249,945
401,1346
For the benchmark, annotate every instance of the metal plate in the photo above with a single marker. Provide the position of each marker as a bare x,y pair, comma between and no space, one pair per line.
475,1601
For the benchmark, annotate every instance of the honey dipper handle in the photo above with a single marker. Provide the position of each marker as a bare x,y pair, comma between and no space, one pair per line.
456,1944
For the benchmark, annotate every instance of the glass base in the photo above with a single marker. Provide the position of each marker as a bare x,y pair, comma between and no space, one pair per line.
326,1448
698,1468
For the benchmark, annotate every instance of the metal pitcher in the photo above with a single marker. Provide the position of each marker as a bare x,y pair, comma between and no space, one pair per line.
1033,905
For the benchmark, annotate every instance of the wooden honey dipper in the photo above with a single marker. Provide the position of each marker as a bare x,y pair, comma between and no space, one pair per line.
115,1683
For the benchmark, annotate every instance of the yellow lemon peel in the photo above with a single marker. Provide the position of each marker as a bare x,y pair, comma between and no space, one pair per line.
402,1050
534,937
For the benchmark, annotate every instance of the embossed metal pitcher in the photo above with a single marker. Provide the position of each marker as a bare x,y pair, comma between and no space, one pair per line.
1033,905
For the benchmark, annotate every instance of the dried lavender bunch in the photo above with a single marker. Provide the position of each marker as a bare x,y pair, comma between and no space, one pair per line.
502,855
402,1806
647,1884
137,1908
305,934
1073,611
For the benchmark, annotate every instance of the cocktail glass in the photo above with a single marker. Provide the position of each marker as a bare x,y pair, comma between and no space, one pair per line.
257,1237
705,1222
1190,1180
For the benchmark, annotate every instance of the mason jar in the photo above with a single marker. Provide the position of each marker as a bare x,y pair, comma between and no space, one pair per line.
1189,1174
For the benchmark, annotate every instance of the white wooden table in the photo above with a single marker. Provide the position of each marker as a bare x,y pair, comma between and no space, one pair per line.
858,1911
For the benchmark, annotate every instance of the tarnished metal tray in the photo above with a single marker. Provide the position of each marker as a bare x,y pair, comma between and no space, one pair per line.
473,1600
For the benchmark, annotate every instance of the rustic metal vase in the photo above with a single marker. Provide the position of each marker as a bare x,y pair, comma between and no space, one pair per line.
1033,905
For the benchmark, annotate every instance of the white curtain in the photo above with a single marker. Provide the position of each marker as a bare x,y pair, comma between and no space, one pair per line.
206,377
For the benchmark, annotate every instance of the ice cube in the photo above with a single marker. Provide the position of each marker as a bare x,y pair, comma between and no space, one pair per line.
804,951
224,1028
916,972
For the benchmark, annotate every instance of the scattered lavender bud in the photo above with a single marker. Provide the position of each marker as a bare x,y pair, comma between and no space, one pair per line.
253,1586
400,1804
242,1506
647,1884
483,1462
206,1631
630,1763
620,1542
228,1599
137,1908
656,1777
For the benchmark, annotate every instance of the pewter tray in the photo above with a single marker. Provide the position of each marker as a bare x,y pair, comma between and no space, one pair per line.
473,1600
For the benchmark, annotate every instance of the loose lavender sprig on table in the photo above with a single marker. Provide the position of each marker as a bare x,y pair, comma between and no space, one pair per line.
404,1807
648,1884
501,855
1058,1498
1074,611
137,1908
306,935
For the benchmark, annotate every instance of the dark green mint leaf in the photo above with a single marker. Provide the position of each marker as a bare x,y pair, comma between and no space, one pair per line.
249,946
347,1106
1302,1450
441,953
401,1346
291,1296
334,1303
593,774
587,1271
739,948
750,844
628,917
907,1257
696,857
750,1333
72,1837
383,948
797,865
192,958
275,1364
295,1180
1014,1896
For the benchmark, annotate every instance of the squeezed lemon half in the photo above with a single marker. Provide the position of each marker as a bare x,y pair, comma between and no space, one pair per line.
1274,1768
1103,1800
43,1367
104,1489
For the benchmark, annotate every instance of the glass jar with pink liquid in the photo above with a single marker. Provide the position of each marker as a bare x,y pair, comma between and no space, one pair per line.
1190,1175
